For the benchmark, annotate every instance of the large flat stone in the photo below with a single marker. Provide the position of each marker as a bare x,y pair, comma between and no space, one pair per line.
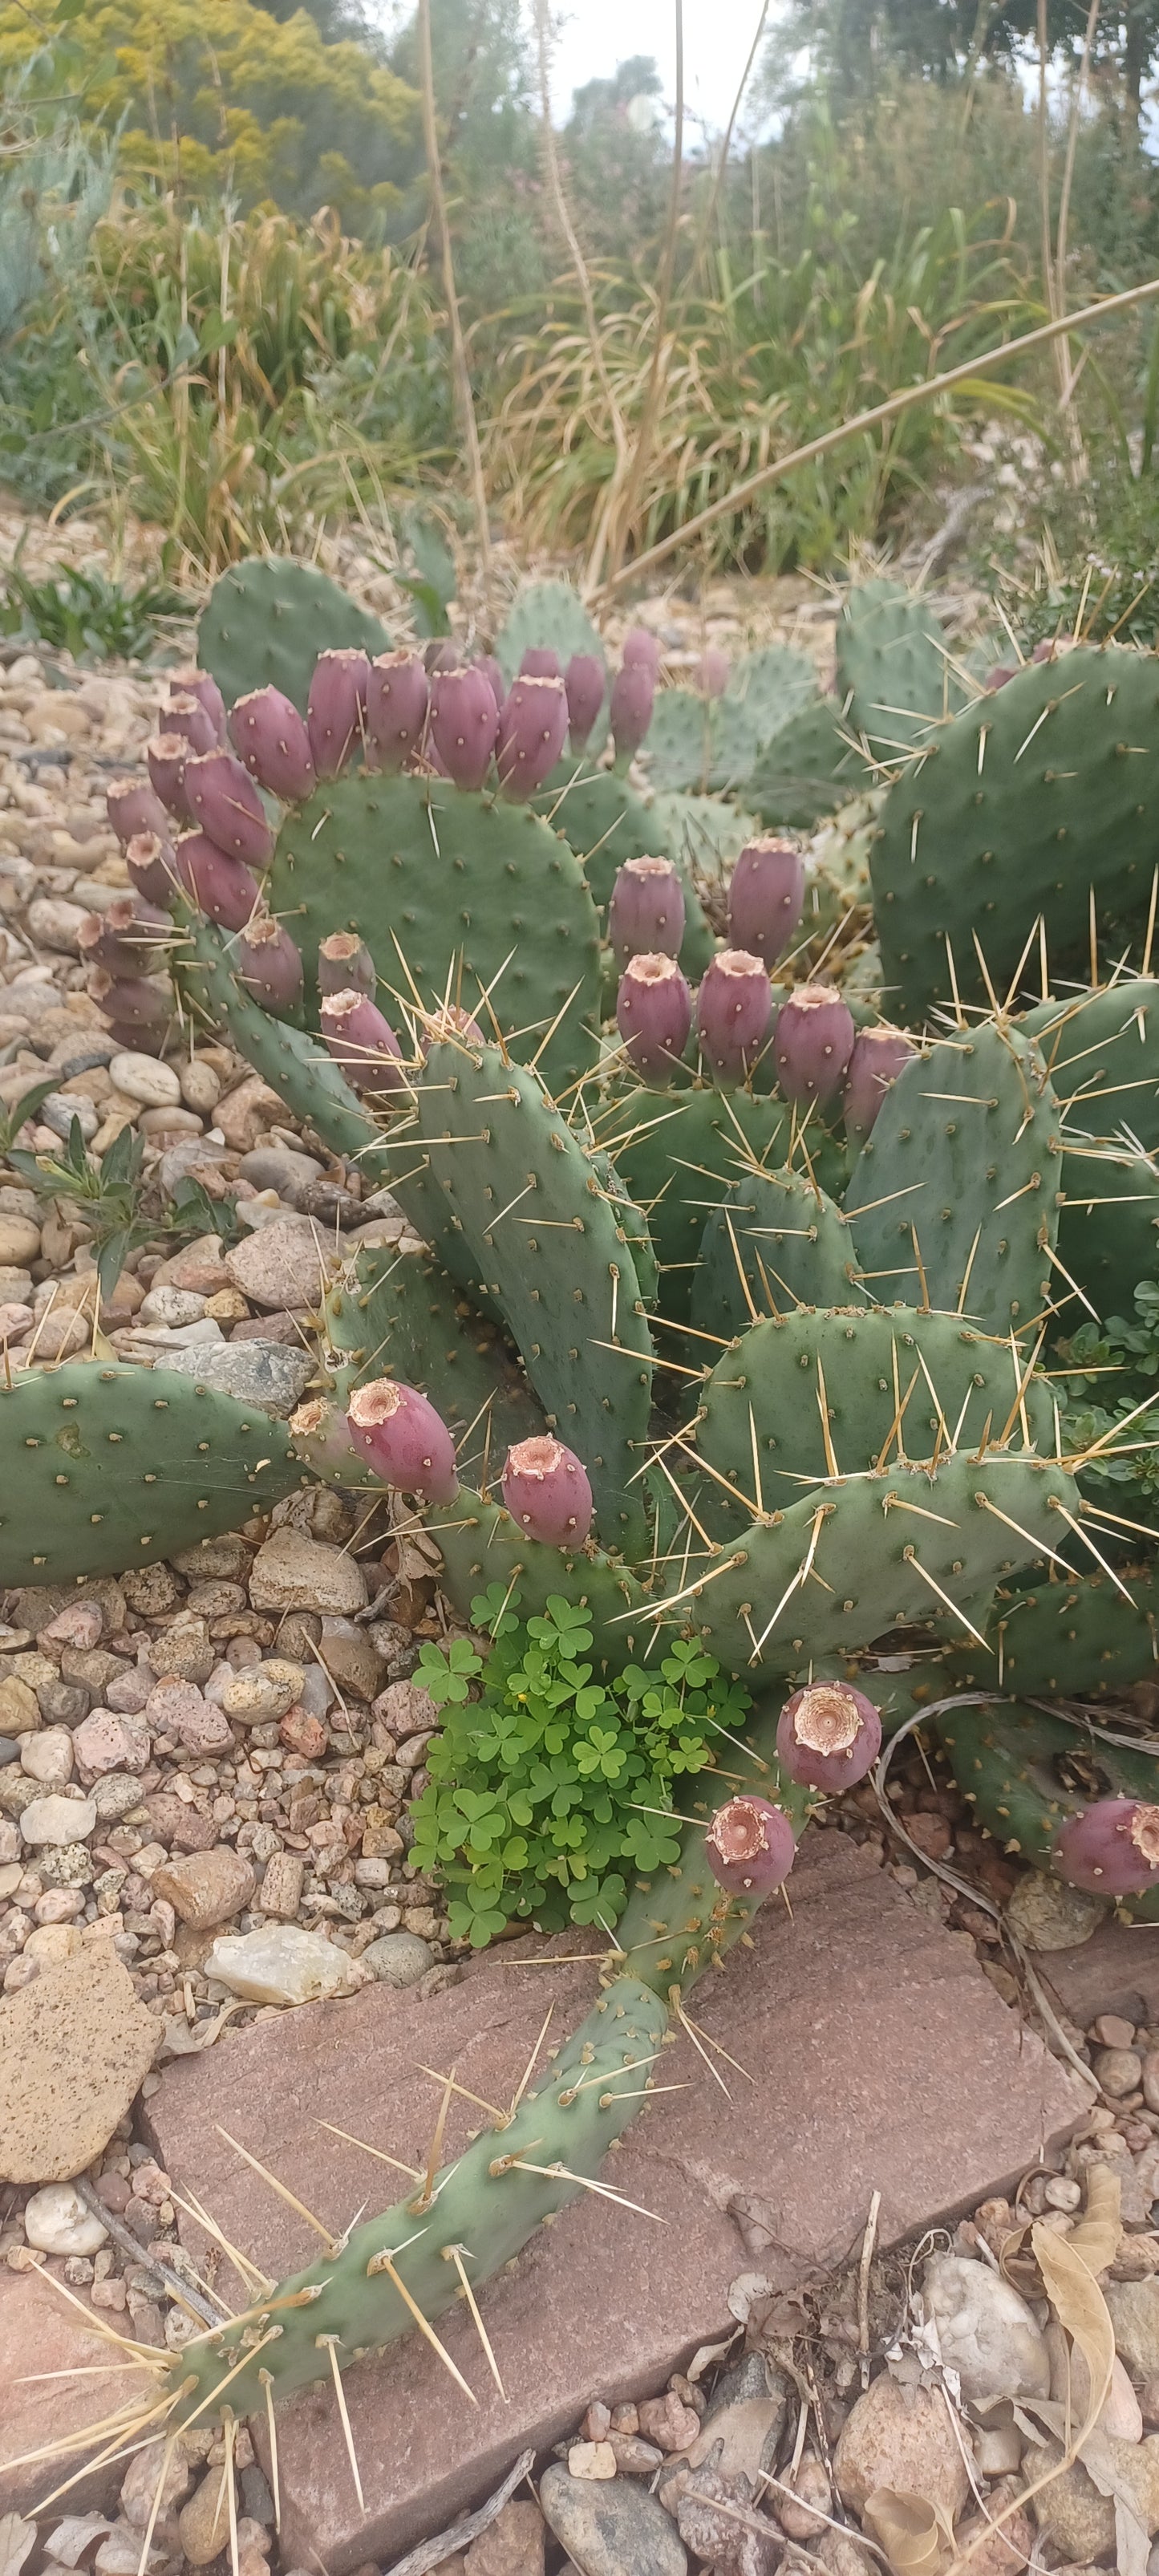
1116,1971
41,2332
880,2058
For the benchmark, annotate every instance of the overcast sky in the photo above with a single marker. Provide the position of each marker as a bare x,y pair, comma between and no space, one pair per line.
597,34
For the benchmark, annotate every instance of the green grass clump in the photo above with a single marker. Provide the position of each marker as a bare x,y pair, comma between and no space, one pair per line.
552,1788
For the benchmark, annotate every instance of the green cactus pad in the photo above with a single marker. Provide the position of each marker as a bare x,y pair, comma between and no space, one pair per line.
1108,1235
680,1151
772,1244
942,1381
893,673
1075,1638
1101,1050
700,743
107,1467
551,614
549,1252
955,1192
482,1545
476,894
810,766
266,621
858,1557
1029,800
1024,1772
398,1315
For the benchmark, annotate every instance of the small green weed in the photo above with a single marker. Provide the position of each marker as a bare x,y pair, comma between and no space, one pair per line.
553,1778
109,1196
1131,1350
83,614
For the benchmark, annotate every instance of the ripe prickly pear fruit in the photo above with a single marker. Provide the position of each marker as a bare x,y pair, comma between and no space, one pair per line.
1112,1848
646,912
268,733
336,707
462,725
654,1015
450,1022
733,1009
127,937
877,1059
828,1736
268,964
487,663
531,736
223,888
130,1001
633,693
766,898
403,1438
540,663
750,1846
584,680
201,685
362,1042
133,808
345,965
149,860
712,672
640,651
813,1043
224,800
397,696
165,758
546,1490
192,721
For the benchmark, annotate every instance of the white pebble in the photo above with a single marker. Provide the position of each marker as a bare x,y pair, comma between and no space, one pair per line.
57,2221
145,1079
58,1820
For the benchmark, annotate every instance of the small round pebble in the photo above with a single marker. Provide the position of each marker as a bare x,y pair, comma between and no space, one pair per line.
145,1079
398,1958
57,2221
1119,2071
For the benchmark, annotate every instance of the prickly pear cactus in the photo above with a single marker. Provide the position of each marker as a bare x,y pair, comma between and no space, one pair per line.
894,675
1025,1772
267,620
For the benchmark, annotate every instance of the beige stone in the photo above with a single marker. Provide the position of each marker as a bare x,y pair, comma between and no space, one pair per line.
292,1572
282,1883
902,2437
206,1886
203,2523
19,1706
74,2046
245,1113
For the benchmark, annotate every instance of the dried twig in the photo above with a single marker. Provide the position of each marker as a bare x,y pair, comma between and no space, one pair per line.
460,2534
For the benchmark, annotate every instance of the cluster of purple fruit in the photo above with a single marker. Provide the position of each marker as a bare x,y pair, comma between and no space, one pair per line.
816,1050
398,1432
828,1735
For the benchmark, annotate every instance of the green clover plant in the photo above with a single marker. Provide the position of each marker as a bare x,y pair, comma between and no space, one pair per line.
1109,1372
553,1786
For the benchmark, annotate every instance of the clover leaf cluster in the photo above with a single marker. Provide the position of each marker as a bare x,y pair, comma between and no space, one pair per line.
552,1785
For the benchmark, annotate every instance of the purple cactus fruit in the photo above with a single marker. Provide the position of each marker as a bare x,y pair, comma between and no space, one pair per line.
633,693
345,964
1112,1848
750,1846
654,1015
540,663
828,1736
877,1059
813,1043
336,707
149,860
640,651
221,887
165,758
712,672
126,937
201,685
546,1490
462,725
733,1009
130,1001
532,733
585,680
646,912
132,807
192,721
397,693
270,736
487,663
268,964
449,1024
766,898
441,655
998,677
403,1438
362,1042
224,800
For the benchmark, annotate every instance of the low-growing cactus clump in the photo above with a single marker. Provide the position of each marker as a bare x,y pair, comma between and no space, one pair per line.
746,1342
